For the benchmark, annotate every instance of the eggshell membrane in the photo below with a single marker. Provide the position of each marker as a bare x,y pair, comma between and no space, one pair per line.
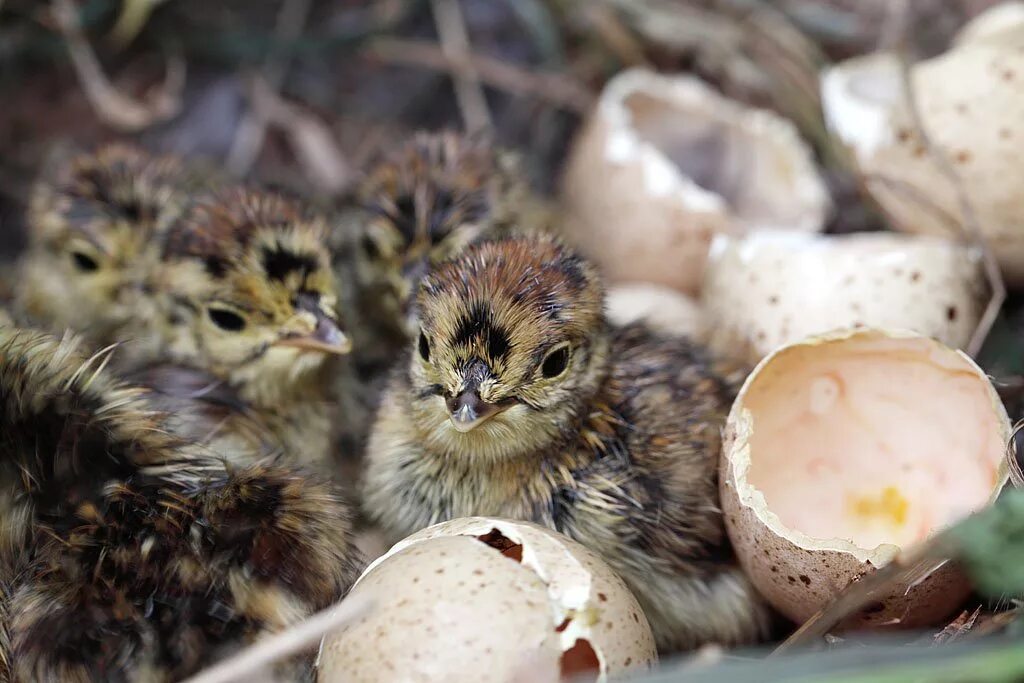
664,163
769,289
843,448
662,309
452,608
971,101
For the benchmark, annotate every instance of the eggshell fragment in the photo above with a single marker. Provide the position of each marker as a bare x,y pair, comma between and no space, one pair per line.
482,599
665,163
971,102
768,289
842,449
662,309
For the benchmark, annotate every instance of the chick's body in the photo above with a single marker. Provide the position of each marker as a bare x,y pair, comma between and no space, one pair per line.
244,319
129,554
519,401
94,222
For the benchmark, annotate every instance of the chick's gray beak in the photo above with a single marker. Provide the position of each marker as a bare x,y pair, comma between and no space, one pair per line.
468,410
327,337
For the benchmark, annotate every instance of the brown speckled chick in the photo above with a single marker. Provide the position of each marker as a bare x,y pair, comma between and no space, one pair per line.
245,320
128,554
422,205
518,400
94,221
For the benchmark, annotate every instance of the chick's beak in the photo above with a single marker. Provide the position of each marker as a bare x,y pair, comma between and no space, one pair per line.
468,410
326,337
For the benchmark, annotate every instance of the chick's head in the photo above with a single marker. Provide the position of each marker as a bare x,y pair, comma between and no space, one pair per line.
92,219
250,293
427,202
512,347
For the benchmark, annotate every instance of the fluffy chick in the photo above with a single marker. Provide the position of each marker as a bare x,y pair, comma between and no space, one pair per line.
519,401
93,222
422,205
130,555
244,321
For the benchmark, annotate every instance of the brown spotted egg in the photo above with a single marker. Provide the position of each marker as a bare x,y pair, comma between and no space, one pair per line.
769,289
843,450
483,599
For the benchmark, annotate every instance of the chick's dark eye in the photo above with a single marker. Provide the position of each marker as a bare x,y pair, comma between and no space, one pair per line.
555,363
84,262
226,320
369,247
424,347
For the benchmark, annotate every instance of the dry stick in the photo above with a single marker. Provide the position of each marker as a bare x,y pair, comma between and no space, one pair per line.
555,89
252,131
298,638
112,106
451,29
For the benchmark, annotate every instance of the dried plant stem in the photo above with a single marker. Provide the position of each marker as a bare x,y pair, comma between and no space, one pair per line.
451,29
113,107
252,131
556,89
296,639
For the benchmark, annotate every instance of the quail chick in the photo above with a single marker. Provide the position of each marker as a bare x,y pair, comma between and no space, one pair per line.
421,205
93,222
245,318
129,554
518,400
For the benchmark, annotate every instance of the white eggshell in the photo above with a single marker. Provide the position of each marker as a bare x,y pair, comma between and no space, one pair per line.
664,310
843,449
450,607
971,101
665,163
769,289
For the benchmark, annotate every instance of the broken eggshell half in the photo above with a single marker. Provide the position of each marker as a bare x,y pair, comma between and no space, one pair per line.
843,449
971,103
490,599
768,289
665,163
662,309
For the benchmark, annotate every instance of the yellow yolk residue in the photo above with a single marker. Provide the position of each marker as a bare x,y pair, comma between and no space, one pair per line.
889,505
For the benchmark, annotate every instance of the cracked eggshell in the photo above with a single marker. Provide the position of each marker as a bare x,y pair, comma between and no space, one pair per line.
665,163
768,289
971,101
662,309
483,599
844,448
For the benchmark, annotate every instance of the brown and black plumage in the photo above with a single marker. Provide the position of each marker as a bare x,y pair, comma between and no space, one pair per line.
130,554
94,224
518,400
423,204
245,318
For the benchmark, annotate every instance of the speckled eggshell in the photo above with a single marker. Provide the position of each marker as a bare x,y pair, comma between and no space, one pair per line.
632,208
769,289
800,578
450,607
661,308
971,101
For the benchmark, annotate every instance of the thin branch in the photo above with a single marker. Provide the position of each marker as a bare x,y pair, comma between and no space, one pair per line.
296,639
252,131
555,89
451,29
112,106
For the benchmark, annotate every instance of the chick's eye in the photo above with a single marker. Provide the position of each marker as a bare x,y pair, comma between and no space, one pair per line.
424,347
84,262
370,247
555,363
226,320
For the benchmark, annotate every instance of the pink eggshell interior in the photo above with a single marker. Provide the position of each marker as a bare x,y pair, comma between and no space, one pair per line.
873,439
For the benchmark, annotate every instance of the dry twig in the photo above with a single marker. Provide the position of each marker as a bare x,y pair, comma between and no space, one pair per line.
113,107
451,29
298,638
556,89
